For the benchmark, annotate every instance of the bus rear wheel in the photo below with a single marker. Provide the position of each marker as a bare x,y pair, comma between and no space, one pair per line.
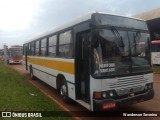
64,93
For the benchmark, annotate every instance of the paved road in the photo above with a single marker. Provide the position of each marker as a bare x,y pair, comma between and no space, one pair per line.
151,105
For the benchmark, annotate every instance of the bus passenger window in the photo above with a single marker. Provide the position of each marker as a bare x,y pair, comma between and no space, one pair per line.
37,48
32,48
28,48
52,45
43,47
65,44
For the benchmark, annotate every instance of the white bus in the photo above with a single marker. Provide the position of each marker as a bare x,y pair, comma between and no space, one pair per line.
155,48
95,60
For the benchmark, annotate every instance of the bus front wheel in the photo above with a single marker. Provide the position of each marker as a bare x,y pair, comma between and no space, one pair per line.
64,93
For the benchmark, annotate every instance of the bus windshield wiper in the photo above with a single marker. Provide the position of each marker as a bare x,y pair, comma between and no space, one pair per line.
118,37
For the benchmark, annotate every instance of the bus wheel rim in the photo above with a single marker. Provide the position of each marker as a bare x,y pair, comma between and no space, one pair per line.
63,90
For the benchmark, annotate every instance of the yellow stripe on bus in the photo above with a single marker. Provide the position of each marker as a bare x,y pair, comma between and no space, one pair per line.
67,67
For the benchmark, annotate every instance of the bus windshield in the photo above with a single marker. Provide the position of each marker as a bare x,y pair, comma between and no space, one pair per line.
15,52
118,52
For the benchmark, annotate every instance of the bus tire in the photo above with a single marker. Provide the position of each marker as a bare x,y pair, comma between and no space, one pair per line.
31,73
64,93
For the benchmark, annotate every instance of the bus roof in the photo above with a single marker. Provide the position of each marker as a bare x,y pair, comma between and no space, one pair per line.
77,20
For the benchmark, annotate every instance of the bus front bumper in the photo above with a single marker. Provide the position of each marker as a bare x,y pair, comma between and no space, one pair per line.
106,104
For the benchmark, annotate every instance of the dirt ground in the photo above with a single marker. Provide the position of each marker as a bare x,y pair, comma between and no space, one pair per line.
151,105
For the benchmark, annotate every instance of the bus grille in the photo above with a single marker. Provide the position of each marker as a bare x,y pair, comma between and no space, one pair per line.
124,84
127,90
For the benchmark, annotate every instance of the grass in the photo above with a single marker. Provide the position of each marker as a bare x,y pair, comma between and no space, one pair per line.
17,94
156,68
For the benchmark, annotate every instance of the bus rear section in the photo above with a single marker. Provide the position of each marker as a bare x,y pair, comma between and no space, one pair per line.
155,52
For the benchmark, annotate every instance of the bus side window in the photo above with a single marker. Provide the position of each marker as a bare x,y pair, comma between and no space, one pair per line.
32,48
37,48
29,49
43,47
52,46
66,44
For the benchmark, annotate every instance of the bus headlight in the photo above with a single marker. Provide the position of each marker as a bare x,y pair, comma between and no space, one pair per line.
108,94
104,95
111,94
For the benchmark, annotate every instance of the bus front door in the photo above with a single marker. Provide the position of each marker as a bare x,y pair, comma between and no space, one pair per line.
82,66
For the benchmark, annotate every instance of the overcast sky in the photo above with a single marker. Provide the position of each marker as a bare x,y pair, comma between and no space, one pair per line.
24,19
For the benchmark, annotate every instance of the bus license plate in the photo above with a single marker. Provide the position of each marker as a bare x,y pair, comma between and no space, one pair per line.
109,105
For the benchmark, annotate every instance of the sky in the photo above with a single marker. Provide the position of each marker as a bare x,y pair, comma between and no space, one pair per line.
21,20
